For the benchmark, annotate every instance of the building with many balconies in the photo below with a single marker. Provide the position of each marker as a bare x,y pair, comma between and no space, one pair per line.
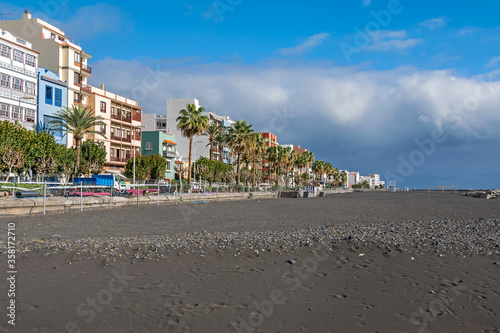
58,54
123,118
18,80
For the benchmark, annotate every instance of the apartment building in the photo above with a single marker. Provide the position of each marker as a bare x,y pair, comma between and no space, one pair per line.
158,142
18,80
123,118
271,140
57,54
52,97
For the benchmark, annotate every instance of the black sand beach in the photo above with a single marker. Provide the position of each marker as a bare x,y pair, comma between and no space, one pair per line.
360,262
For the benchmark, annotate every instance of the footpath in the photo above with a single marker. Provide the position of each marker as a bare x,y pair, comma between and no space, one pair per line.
15,206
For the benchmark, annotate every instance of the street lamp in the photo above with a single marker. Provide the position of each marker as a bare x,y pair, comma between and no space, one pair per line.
143,126
26,98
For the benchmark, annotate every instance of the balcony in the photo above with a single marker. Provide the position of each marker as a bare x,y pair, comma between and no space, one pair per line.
117,116
86,69
129,140
116,138
119,159
127,120
169,154
136,116
84,88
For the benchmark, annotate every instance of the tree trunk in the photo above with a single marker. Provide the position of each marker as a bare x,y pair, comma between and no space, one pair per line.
238,170
190,159
78,152
210,150
254,171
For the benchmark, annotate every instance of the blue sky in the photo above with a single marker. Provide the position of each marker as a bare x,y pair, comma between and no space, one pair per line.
406,89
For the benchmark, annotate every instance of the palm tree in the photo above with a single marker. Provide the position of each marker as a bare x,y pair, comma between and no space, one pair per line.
191,123
213,132
319,169
254,149
310,160
238,137
272,157
289,158
79,121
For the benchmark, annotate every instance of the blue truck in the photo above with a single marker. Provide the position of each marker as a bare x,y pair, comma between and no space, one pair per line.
102,180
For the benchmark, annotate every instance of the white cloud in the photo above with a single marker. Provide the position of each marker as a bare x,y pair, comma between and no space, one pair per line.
493,62
434,23
382,107
386,40
367,3
310,43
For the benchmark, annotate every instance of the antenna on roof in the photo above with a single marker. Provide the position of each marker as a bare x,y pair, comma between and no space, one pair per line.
5,14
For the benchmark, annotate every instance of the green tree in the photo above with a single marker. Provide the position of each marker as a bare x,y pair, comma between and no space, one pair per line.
41,156
14,143
93,157
158,165
191,123
238,139
142,168
213,132
66,159
78,121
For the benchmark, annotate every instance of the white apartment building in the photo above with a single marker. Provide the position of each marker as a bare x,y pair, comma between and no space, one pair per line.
58,54
200,143
168,124
373,180
353,178
18,80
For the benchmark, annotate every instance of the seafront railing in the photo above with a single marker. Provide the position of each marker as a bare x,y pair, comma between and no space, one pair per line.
45,196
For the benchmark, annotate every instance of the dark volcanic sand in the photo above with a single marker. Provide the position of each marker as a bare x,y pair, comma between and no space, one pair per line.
361,262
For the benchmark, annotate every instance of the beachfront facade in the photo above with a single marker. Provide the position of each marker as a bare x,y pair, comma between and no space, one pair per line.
18,80
221,152
158,142
373,180
52,97
57,54
270,140
122,129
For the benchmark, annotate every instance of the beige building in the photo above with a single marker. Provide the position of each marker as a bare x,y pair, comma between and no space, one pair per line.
123,126
58,54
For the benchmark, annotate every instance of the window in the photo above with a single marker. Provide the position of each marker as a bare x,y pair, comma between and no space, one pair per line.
16,112
5,110
103,106
5,80
149,145
112,131
5,51
112,152
18,56
29,115
51,128
128,134
48,95
102,129
29,87
77,57
77,78
57,97
17,84
30,60
76,97
168,165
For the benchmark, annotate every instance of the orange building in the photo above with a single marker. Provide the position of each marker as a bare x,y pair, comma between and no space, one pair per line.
271,141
